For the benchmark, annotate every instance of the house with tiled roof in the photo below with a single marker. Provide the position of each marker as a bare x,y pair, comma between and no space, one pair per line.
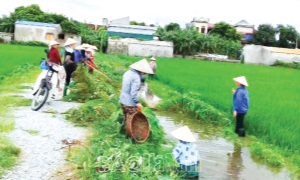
243,27
202,25
247,30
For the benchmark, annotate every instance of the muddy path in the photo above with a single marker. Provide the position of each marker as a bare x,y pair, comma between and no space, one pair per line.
44,137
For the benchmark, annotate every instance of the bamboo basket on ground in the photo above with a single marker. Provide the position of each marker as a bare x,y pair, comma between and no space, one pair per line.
138,127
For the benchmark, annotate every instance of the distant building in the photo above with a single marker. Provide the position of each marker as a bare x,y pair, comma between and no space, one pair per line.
39,31
36,31
247,30
122,28
202,25
243,27
257,54
94,26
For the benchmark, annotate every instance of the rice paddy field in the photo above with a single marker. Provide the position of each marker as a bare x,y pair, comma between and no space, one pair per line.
13,56
274,94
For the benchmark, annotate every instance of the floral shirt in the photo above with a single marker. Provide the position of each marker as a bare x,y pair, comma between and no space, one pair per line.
186,153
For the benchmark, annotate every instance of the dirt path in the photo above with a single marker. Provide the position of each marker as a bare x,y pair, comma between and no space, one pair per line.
42,138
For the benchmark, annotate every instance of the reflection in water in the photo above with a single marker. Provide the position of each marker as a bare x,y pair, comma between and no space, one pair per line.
235,162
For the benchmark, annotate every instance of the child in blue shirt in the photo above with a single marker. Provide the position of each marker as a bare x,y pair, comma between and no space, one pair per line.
185,152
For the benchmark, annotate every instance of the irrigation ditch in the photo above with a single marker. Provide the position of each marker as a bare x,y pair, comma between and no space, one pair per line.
220,158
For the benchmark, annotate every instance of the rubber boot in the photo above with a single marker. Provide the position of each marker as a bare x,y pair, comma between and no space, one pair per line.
65,90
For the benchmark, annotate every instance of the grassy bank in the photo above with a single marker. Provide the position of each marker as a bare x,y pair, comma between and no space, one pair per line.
26,73
16,64
109,154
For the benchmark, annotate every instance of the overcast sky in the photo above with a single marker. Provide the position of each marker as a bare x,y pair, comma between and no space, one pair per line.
162,12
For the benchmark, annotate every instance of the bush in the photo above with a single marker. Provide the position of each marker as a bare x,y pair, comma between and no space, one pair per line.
30,43
288,65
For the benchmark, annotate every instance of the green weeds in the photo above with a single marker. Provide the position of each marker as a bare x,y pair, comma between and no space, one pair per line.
109,153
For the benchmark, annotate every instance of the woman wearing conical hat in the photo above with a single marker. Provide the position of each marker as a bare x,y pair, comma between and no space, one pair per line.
69,62
185,152
240,104
53,54
153,66
131,84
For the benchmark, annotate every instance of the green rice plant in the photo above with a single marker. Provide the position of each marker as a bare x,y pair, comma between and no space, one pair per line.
13,56
274,94
188,103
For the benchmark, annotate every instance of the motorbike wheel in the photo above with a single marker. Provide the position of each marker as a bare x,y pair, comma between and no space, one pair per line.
40,98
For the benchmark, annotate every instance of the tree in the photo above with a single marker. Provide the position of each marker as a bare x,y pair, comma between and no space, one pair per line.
34,13
265,35
225,30
287,36
172,27
137,23
70,27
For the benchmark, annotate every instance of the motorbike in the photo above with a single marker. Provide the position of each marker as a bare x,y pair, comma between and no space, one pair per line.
49,85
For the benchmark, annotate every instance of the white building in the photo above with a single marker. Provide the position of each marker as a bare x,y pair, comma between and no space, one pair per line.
36,31
255,54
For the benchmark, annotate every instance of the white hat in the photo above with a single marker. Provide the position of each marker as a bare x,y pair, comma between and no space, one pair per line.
94,47
153,59
142,66
184,134
53,42
89,50
70,41
84,45
242,80
79,47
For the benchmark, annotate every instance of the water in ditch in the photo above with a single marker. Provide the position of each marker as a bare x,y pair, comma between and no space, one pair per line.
220,159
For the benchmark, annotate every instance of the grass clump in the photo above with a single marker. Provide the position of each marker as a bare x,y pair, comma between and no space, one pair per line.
8,154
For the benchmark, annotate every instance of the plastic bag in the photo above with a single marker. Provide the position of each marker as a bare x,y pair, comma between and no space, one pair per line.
44,65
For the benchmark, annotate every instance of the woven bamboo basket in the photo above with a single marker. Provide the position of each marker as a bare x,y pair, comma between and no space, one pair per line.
138,127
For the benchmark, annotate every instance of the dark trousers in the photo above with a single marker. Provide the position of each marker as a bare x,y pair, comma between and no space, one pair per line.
69,68
239,126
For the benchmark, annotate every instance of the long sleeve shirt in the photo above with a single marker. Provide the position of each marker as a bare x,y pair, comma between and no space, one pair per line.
153,66
131,84
241,100
54,56
186,153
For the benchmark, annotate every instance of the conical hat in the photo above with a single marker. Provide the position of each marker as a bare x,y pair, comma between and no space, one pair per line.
53,42
94,47
142,66
84,45
70,41
153,59
242,80
89,50
184,134
79,47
